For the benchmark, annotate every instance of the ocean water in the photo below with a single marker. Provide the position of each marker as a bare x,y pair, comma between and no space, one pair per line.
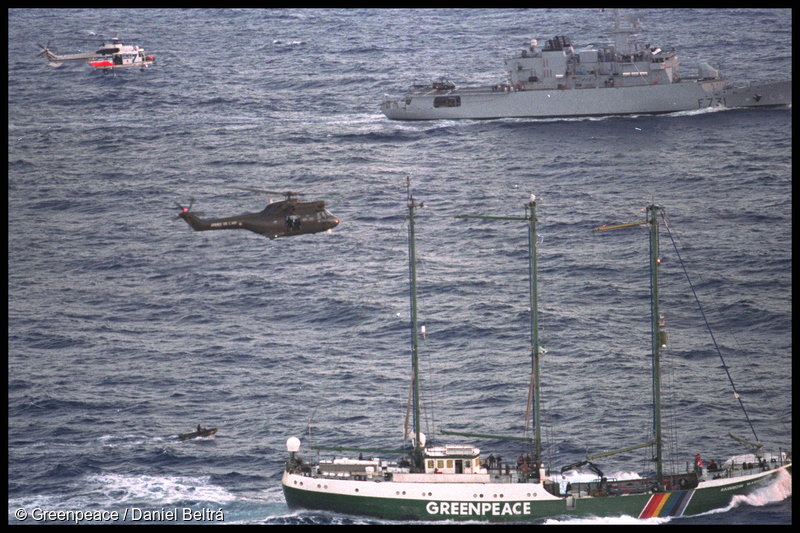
127,328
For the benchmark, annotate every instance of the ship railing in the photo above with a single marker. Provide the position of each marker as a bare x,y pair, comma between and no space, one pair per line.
510,473
747,469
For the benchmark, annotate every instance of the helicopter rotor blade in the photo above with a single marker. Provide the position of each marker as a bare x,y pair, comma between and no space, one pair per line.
98,38
328,184
264,191
287,194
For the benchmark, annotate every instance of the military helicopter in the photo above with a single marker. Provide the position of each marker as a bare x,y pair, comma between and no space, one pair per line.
111,55
279,219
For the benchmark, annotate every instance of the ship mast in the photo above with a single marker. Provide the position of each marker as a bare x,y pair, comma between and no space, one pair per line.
658,336
658,341
622,44
412,265
530,217
535,352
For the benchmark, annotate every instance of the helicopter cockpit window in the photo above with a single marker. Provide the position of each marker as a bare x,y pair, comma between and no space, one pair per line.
293,222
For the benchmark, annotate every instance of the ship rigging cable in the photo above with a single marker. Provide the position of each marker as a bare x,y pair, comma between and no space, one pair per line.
708,326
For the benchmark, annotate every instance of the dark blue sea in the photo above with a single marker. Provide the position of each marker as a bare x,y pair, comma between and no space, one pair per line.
126,328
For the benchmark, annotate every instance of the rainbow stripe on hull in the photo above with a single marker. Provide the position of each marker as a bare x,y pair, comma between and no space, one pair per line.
667,504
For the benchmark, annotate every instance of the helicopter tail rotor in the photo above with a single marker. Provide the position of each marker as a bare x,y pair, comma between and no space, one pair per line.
184,210
46,51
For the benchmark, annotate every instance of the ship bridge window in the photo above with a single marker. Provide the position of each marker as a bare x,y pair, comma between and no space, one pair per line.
447,101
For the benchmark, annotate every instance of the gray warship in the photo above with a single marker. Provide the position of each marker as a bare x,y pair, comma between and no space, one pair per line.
624,77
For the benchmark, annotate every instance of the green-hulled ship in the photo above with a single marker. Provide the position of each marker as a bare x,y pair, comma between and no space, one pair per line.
454,482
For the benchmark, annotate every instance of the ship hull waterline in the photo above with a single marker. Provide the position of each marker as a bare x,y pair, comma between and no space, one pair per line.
495,502
593,102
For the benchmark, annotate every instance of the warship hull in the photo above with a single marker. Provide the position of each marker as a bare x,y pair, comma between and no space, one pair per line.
501,502
486,103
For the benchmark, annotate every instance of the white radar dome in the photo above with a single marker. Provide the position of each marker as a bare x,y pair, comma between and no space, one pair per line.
293,444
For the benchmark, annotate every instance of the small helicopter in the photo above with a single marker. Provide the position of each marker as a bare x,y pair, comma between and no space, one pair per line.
111,55
279,219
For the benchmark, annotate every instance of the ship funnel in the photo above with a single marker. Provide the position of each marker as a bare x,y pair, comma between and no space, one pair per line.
708,72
